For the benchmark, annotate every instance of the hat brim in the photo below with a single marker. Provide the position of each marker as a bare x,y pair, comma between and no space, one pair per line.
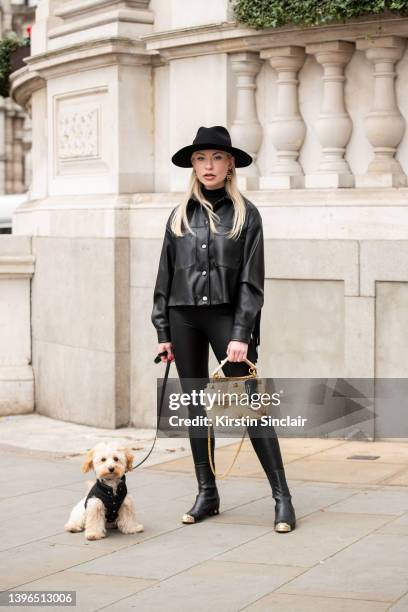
183,157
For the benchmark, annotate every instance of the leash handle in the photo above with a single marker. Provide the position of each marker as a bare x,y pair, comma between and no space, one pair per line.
157,359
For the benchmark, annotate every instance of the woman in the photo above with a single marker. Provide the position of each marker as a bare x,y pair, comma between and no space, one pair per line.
210,290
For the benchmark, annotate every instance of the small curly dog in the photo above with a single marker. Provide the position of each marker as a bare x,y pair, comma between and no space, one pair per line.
108,504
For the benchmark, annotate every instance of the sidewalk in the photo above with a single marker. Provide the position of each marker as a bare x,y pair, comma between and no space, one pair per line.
349,551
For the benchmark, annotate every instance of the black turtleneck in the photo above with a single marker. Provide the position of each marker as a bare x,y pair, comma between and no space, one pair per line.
213,195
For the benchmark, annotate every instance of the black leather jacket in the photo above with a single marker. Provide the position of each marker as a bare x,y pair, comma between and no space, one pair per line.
210,269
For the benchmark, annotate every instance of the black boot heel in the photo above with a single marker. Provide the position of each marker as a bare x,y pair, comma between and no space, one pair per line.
207,502
285,518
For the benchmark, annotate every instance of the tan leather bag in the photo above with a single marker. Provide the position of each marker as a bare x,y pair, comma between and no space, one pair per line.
233,399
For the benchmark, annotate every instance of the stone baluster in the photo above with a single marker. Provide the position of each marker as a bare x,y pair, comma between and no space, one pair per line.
384,123
334,126
246,131
288,128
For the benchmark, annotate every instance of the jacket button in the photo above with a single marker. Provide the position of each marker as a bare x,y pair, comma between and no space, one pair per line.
205,298
206,222
204,246
204,272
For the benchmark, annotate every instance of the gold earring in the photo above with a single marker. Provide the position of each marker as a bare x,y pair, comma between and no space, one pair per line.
229,174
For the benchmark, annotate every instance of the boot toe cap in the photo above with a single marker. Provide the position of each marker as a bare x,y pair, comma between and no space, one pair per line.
282,527
187,518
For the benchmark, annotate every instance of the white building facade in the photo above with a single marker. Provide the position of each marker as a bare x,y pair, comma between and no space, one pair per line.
113,89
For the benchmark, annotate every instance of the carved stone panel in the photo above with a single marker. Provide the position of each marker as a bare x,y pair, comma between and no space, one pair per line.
80,132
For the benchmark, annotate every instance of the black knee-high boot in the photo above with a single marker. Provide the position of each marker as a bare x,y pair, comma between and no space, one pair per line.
266,446
207,501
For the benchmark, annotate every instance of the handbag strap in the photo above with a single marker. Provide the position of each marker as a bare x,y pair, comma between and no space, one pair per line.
227,471
224,361
166,375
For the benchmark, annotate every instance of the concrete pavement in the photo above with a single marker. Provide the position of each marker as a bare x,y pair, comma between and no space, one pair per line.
349,551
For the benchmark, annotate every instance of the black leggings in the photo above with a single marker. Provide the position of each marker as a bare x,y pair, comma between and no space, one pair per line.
193,329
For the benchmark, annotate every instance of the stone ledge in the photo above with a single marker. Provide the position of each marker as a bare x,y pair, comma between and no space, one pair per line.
21,266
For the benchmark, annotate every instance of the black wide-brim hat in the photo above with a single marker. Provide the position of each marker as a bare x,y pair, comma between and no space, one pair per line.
216,137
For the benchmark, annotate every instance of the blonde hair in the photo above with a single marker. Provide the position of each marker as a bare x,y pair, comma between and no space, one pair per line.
179,217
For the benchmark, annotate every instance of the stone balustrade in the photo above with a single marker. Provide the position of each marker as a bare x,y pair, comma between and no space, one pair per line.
295,98
322,67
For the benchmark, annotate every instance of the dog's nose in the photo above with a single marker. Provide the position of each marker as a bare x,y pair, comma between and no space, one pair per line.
111,469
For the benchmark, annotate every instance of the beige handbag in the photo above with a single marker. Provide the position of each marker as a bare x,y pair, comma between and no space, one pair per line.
233,400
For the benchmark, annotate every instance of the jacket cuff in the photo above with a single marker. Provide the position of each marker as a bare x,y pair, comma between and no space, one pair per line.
241,334
163,335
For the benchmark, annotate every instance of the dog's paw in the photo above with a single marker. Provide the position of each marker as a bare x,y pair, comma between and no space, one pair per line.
95,535
73,528
130,528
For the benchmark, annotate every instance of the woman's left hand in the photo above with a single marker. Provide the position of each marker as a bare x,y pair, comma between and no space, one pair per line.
237,351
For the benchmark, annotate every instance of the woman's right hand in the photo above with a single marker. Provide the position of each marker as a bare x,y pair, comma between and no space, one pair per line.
166,346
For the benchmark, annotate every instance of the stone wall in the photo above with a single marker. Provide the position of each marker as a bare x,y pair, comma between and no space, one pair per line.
16,373
113,93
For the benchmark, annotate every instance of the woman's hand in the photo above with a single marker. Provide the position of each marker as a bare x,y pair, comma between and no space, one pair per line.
237,351
166,346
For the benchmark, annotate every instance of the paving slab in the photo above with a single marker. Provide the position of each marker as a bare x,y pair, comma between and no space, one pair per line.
341,471
302,603
401,478
34,560
303,446
379,501
93,591
162,557
332,531
374,567
245,464
47,437
33,527
36,483
401,605
306,499
387,452
211,585
397,526
36,502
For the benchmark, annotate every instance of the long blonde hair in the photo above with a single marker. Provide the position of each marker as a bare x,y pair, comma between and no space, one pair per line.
194,189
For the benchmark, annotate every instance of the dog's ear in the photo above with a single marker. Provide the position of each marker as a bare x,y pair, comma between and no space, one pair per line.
129,459
88,463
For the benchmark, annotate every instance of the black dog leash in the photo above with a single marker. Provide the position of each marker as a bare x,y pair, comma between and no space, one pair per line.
166,375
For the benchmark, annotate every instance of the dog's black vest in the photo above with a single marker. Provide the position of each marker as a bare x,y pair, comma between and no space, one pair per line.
111,502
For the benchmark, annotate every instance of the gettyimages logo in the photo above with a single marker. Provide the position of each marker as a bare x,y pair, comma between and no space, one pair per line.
211,399
298,407
227,409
